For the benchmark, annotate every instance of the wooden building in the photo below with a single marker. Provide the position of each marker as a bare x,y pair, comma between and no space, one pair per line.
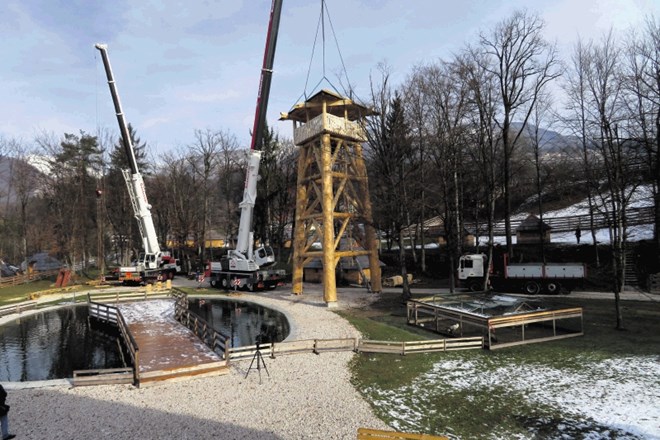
531,230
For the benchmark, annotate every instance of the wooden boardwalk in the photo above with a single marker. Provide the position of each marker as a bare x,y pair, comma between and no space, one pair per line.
167,349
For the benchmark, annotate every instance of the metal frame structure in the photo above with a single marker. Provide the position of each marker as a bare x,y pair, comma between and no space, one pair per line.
502,326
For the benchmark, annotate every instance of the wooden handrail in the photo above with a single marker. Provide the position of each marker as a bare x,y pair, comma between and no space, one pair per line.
124,331
210,336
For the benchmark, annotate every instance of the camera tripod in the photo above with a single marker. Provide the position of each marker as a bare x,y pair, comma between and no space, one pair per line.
260,361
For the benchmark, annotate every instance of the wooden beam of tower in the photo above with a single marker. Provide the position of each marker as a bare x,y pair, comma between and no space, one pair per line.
300,230
329,262
369,230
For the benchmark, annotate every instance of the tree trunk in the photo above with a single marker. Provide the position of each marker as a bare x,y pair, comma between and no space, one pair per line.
404,271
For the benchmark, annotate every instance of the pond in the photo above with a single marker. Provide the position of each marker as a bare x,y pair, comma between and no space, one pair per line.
53,344
243,321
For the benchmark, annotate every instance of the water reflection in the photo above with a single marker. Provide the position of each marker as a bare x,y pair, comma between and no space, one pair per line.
51,345
244,321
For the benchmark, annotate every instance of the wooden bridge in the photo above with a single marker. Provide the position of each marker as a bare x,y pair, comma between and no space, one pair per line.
160,347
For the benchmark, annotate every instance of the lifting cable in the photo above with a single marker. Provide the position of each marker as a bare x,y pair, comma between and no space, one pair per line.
320,30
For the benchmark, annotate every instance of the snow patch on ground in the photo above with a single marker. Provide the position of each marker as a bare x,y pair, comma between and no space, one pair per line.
619,397
148,311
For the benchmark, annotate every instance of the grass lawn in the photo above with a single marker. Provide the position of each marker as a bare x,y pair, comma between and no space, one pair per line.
22,292
499,394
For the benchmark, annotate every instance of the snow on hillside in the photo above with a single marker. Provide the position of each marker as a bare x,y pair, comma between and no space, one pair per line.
41,163
641,198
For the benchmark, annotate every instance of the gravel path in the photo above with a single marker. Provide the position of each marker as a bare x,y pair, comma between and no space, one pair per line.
306,396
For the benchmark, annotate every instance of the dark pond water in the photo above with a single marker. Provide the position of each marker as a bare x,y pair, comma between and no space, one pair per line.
51,345
243,321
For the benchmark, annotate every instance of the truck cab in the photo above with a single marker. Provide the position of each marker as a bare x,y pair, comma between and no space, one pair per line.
471,266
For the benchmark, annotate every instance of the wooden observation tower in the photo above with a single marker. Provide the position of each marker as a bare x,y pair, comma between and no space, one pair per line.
332,197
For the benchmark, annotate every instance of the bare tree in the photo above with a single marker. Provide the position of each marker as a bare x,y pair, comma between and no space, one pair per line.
448,101
643,84
485,144
230,188
539,117
417,107
203,160
523,64
619,153
577,119
279,199
24,182
390,153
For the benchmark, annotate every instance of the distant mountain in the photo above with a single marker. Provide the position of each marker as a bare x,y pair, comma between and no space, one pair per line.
10,169
550,141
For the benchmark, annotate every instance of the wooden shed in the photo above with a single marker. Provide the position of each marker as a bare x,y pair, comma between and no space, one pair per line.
531,229
434,231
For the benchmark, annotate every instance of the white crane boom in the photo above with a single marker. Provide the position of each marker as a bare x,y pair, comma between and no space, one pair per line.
134,181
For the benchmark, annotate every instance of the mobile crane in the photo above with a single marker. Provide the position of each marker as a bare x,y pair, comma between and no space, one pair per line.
152,264
243,267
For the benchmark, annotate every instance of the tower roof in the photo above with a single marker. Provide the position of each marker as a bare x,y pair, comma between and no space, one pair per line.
335,105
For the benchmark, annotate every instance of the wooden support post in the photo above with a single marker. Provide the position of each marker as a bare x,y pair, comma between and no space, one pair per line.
371,238
329,279
299,238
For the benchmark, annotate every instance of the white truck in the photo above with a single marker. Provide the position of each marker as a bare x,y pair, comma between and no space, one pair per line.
530,278
244,267
152,264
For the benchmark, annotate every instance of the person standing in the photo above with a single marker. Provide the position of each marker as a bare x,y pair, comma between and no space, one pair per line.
4,419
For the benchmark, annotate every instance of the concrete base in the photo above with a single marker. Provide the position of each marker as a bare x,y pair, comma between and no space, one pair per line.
332,304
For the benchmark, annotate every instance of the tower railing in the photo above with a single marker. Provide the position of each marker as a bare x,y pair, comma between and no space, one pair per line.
327,122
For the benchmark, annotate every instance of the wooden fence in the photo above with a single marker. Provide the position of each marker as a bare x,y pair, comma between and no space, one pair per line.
634,217
217,341
26,278
112,315
103,376
357,345
118,297
17,308
409,347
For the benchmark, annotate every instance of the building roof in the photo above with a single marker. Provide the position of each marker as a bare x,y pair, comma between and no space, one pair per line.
335,105
532,224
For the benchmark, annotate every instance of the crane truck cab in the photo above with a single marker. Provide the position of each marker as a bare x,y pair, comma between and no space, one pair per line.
264,256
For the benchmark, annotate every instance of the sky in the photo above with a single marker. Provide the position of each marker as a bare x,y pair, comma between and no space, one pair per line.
182,66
